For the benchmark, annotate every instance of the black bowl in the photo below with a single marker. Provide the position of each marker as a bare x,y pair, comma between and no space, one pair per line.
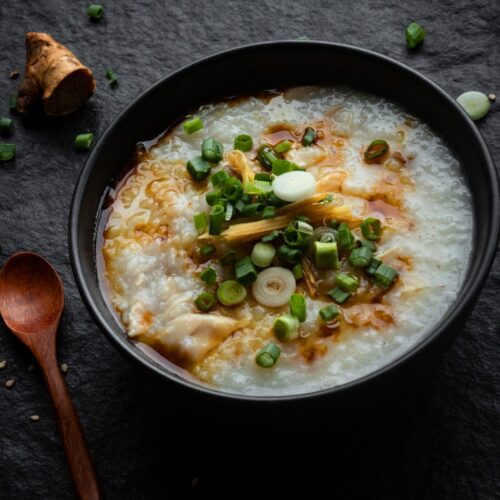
277,65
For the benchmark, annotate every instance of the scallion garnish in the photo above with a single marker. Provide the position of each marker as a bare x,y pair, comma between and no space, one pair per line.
415,35
345,238
286,328
376,149
268,355
253,209
243,142
219,178
371,228
263,254
111,77
245,271
309,137
228,257
289,255
206,250
95,11
231,293
13,102
240,205
257,187
326,255
283,146
298,234
192,125
266,157
373,266
298,306
232,188
208,275
283,166
84,141
370,244
198,168
212,197
7,152
298,271
212,150
347,282
360,257
5,126
269,212
246,198
329,312
339,295
273,235
205,301
200,222
216,219
384,276
263,176
229,211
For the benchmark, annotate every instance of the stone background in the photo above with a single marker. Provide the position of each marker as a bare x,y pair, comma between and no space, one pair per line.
440,440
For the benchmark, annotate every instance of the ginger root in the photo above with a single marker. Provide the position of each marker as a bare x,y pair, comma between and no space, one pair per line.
54,76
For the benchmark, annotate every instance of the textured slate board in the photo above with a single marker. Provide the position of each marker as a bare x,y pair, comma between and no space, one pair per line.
440,441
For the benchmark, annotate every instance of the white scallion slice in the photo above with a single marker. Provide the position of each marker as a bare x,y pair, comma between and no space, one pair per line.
476,104
294,186
274,287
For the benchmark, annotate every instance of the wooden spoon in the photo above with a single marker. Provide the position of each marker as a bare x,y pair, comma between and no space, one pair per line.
31,303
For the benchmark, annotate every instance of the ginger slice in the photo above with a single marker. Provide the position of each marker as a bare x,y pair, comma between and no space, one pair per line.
239,163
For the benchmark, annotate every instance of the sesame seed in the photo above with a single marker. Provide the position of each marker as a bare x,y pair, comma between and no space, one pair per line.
64,368
3,364
10,383
492,97
35,418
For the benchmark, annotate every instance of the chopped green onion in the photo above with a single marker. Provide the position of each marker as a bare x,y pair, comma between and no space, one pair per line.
245,271
13,102
219,178
212,150
371,228
283,166
84,141
205,301
326,255
253,209
415,35
228,257
273,235
334,224
95,11
208,275
269,212
369,244
373,266
257,187
298,271
243,142
263,254
212,198
266,157
290,255
376,149
5,126
216,219
231,293
229,211
7,152
240,206
298,234
192,125
111,77
345,238
339,295
361,257
298,306
283,146
232,188
346,282
475,104
309,137
246,198
198,168
263,176
286,328
273,200
268,355
206,250
200,222
325,235
329,312
384,276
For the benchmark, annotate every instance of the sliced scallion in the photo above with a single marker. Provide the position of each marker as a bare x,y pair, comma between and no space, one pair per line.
13,102
298,306
339,295
415,35
84,141
253,209
192,125
208,275
206,250
347,282
216,219
371,228
205,301
475,104
95,11
257,187
232,188
283,146
213,197
345,238
369,244
273,235
298,271
7,152
360,257
269,212
198,168
219,178
309,137
268,355
200,222
228,257
5,126
231,293
373,266
266,157
384,276
289,255
245,271
263,254
376,149
263,176
111,77
326,255
212,150
281,167
243,142
286,328
329,312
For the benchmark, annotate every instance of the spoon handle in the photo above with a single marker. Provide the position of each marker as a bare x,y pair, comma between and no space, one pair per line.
77,454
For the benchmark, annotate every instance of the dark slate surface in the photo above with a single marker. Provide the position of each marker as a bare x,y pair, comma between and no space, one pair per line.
440,441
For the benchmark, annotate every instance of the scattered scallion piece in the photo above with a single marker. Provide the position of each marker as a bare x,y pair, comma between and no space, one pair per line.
339,295
371,228
192,125
269,212
205,301
84,141
384,276
208,275
7,152
111,77
212,197
476,104
228,257
286,328
345,238
273,200
206,250
298,234
219,178
253,209
298,306
200,222
243,142
360,257
298,271
231,293
5,126
376,149
245,271
263,254
229,211
283,146
232,188
246,198
212,150
369,244
240,205
415,35
309,137
268,355
326,255
290,255
216,219
257,187
13,102
198,168
95,11
347,282
266,157
273,235
280,167
373,266
263,176
329,312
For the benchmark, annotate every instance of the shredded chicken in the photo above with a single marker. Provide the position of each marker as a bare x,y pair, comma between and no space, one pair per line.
376,315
